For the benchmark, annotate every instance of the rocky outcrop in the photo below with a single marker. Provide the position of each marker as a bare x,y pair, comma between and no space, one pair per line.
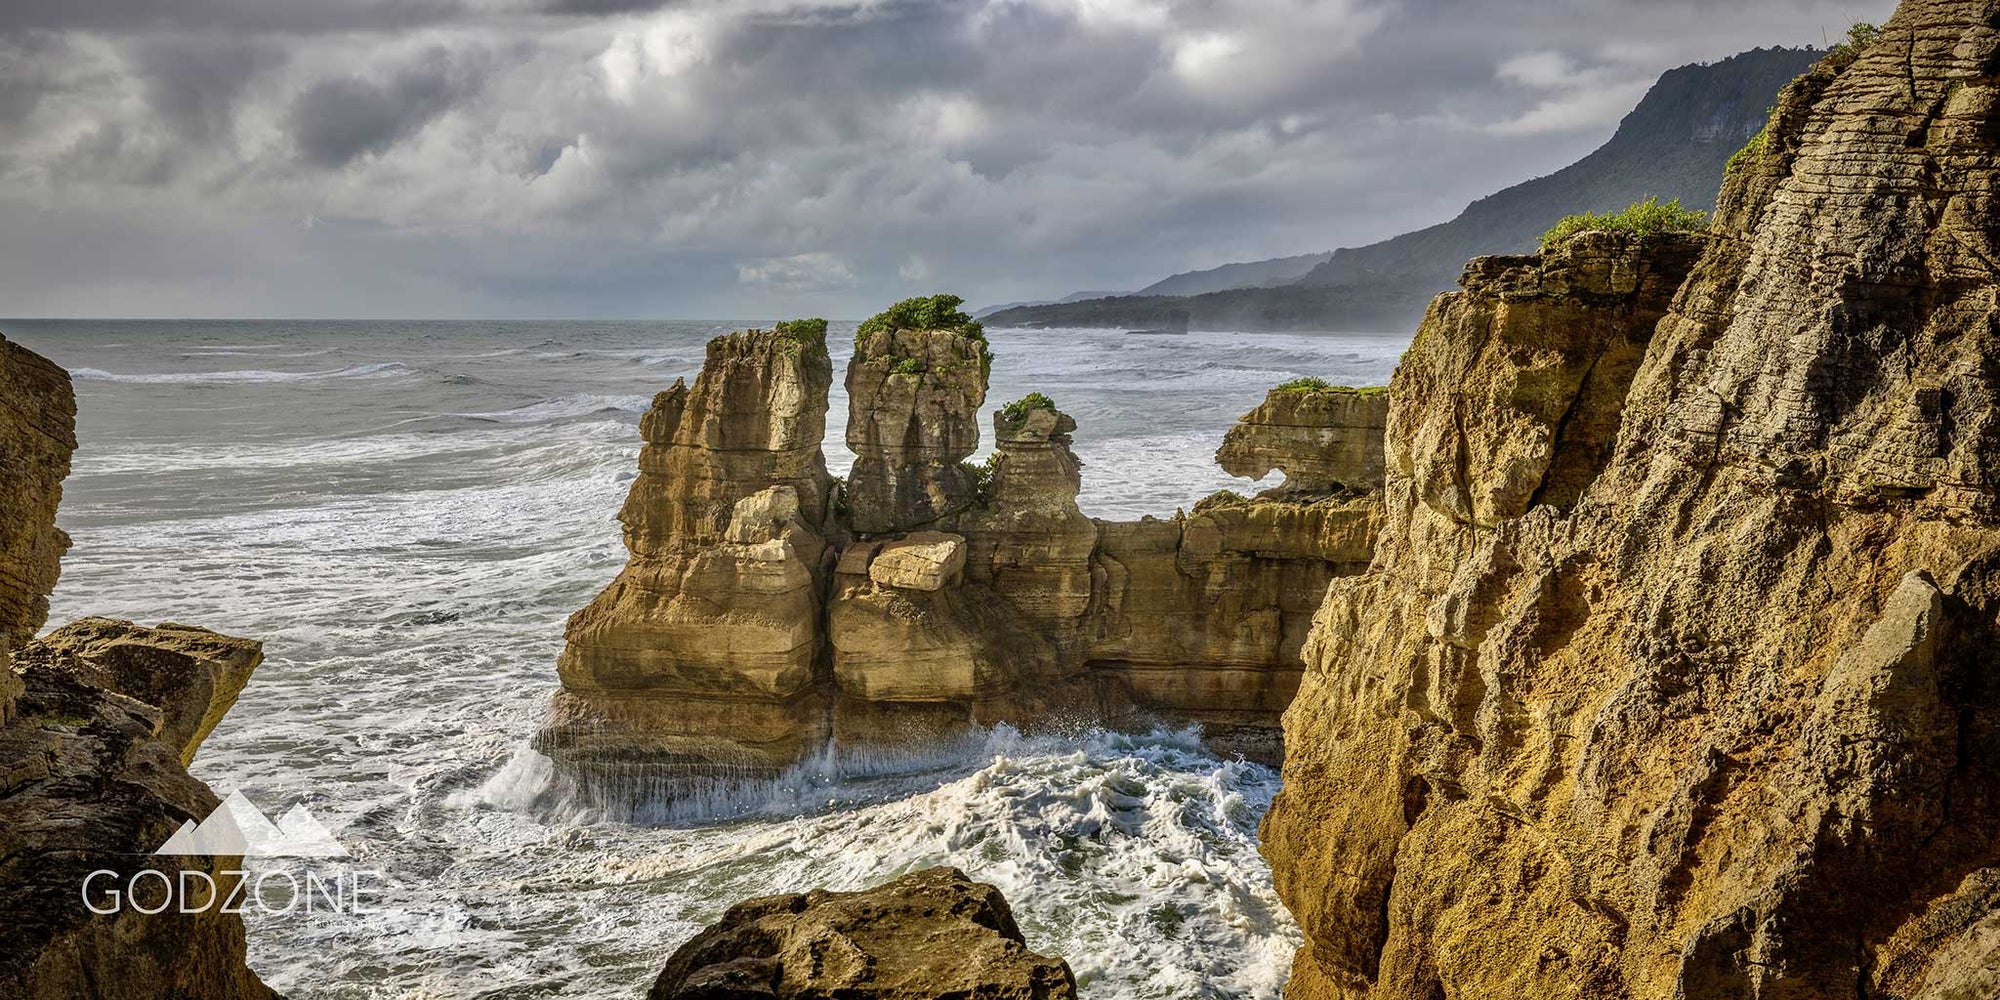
934,933
92,778
96,724
37,435
1204,617
190,675
1671,678
932,596
701,658
1324,438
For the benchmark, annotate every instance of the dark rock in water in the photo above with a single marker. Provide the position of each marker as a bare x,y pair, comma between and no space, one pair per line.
931,934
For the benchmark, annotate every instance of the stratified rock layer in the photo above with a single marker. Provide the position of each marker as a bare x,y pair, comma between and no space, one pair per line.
936,598
1323,439
701,657
1672,678
37,435
930,934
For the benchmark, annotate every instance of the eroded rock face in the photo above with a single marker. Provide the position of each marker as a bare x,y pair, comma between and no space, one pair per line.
37,436
1677,642
1323,439
934,933
701,655
913,420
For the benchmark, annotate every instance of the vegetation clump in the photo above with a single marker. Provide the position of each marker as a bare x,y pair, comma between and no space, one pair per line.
1646,218
1221,499
1860,35
1016,411
982,474
806,331
928,312
907,366
1310,384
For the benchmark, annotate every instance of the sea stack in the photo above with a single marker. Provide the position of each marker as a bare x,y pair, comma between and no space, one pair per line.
700,660
1672,677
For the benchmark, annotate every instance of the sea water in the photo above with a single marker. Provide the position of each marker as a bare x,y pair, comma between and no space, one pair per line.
405,513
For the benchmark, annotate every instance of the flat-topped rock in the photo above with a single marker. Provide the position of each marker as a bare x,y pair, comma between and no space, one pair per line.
924,560
192,675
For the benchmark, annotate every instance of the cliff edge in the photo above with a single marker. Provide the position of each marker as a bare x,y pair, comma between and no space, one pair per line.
1672,677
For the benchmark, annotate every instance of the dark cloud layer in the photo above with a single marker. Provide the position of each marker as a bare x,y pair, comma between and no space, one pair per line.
773,157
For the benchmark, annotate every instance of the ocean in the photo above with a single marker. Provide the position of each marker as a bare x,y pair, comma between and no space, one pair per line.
406,512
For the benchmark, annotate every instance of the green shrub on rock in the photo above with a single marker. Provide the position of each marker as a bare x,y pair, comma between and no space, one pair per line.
1645,218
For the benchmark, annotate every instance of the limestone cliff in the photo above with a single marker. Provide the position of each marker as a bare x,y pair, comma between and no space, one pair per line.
702,655
37,435
97,721
913,419
1672,676
930,934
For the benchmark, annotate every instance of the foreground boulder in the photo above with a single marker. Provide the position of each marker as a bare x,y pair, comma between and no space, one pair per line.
1673,678
931,934
190,675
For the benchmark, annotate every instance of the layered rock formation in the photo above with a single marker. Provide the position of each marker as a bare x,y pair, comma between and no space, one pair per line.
930,934
97,721
931,595
1672,676
37,435
702,655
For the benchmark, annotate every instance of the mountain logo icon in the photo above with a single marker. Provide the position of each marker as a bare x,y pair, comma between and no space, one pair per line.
237,828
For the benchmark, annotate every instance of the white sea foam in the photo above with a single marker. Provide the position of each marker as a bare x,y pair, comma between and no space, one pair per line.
379,369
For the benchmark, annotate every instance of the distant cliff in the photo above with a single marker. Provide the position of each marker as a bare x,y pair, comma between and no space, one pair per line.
1673,145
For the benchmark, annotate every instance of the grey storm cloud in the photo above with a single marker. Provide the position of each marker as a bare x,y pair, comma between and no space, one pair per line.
760,158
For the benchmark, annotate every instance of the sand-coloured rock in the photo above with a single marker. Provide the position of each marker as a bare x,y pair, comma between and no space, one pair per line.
931,934
1671,678
926,560
701,657
1029,540
192,675
37,435
1324,438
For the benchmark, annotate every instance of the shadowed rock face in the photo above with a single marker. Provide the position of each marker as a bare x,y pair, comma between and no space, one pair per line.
97,721
1672,675
37,435
930,934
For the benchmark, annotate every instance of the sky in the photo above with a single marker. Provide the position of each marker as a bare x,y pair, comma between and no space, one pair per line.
759,159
